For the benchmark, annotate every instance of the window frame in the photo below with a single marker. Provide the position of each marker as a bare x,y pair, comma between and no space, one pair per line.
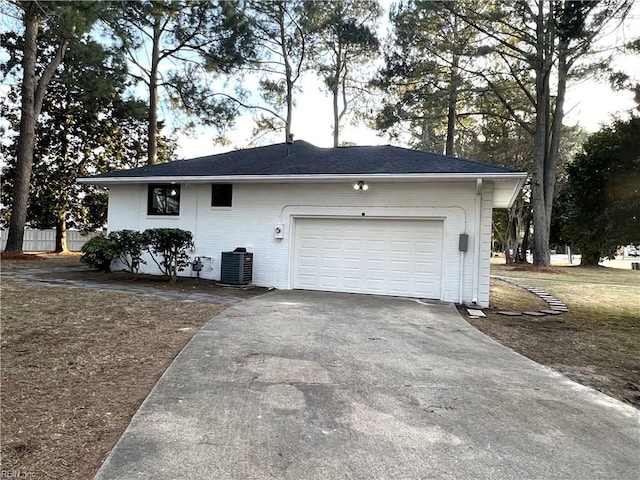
228,195
165,195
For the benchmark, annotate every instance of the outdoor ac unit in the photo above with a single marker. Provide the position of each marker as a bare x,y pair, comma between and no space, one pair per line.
236,267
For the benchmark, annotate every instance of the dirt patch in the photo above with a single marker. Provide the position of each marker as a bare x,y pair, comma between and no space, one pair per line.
76,364
19,256
527,267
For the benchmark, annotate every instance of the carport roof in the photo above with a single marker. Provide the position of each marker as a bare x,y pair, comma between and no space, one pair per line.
301,159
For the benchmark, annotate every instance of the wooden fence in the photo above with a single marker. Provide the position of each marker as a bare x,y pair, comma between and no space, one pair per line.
45,240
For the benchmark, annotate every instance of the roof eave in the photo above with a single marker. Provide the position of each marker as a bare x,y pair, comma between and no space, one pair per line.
313,178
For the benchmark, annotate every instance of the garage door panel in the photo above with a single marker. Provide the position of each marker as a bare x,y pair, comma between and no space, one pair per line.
400,247
352,245
309,243
307,281
329,282
351,283
330,262
307,261
397,257
425,266
373,265
400,267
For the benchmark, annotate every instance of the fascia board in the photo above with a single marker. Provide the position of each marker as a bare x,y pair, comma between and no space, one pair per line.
408,177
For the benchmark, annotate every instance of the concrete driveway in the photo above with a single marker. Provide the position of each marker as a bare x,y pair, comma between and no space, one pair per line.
312,385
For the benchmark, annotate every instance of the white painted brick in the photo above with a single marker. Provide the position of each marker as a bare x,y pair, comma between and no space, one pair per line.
258,208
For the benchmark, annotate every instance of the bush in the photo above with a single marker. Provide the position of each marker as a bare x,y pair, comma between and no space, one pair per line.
171,245
129,244
98,253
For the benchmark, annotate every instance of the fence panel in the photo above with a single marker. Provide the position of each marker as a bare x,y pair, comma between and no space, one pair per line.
45,240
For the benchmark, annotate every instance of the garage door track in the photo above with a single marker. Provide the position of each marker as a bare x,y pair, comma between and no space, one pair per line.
312,385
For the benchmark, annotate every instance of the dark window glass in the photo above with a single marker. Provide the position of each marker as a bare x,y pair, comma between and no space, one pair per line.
221,194
164,200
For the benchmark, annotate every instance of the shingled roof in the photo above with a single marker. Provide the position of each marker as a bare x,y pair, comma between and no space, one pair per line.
304,159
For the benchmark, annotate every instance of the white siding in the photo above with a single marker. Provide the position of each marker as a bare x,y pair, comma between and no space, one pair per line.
258,208
485,245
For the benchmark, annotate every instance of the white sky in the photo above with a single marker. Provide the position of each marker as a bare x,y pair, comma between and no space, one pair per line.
590,103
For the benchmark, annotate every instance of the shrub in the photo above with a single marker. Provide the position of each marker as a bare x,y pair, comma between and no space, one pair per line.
171,245
98,253
129,244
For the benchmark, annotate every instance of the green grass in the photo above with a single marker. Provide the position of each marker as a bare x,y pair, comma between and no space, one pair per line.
600,296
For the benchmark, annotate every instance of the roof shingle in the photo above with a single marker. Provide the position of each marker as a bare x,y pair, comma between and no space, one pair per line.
303,158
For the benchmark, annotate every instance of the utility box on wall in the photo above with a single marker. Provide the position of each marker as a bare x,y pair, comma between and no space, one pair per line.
463,242
236,267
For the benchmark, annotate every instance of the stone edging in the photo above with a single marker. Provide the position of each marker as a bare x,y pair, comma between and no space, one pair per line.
556,307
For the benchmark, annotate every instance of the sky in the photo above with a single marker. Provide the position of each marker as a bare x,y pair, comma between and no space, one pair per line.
590,103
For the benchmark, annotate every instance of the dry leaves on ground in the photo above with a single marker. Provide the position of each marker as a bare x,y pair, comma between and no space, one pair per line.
76,364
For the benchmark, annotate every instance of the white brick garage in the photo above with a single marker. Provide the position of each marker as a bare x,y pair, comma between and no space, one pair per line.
401,257
299,209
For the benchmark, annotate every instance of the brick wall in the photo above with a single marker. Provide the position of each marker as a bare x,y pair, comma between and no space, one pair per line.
258,208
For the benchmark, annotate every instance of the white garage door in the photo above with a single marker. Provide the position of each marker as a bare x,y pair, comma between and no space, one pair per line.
390,257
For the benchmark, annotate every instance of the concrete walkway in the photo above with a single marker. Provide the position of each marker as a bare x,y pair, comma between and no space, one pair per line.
312,385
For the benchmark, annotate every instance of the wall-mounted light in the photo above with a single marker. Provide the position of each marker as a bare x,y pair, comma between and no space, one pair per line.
361,185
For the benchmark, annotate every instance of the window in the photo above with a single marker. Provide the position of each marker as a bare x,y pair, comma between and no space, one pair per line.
164,200
221,194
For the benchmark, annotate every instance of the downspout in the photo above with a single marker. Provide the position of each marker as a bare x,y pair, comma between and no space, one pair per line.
461,276
476,247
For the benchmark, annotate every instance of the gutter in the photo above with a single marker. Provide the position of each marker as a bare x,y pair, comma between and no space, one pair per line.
476,247
310,178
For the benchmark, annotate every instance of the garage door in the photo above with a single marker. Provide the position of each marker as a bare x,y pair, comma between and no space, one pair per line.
390,257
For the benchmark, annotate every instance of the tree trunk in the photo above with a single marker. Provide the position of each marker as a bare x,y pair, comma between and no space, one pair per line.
152,147
61,235
589,259
501,240
451,117
453,99
555,132
541,223
339,88
336,118
335,89
26,140
513,231
525,239
33,91
288,72
425,137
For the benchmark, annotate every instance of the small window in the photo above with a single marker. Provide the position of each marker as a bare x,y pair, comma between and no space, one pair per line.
221,194
164,200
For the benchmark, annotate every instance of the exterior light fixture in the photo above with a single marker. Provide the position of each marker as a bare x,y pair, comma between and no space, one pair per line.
361,185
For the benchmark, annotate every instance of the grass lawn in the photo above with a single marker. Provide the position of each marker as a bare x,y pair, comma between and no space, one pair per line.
596,343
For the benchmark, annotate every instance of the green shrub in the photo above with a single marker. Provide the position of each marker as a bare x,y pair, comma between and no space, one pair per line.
98,253
171,245
129,244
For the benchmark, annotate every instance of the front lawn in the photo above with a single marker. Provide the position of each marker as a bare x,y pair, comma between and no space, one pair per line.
75,366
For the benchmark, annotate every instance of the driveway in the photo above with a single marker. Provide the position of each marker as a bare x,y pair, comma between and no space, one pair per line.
313,385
